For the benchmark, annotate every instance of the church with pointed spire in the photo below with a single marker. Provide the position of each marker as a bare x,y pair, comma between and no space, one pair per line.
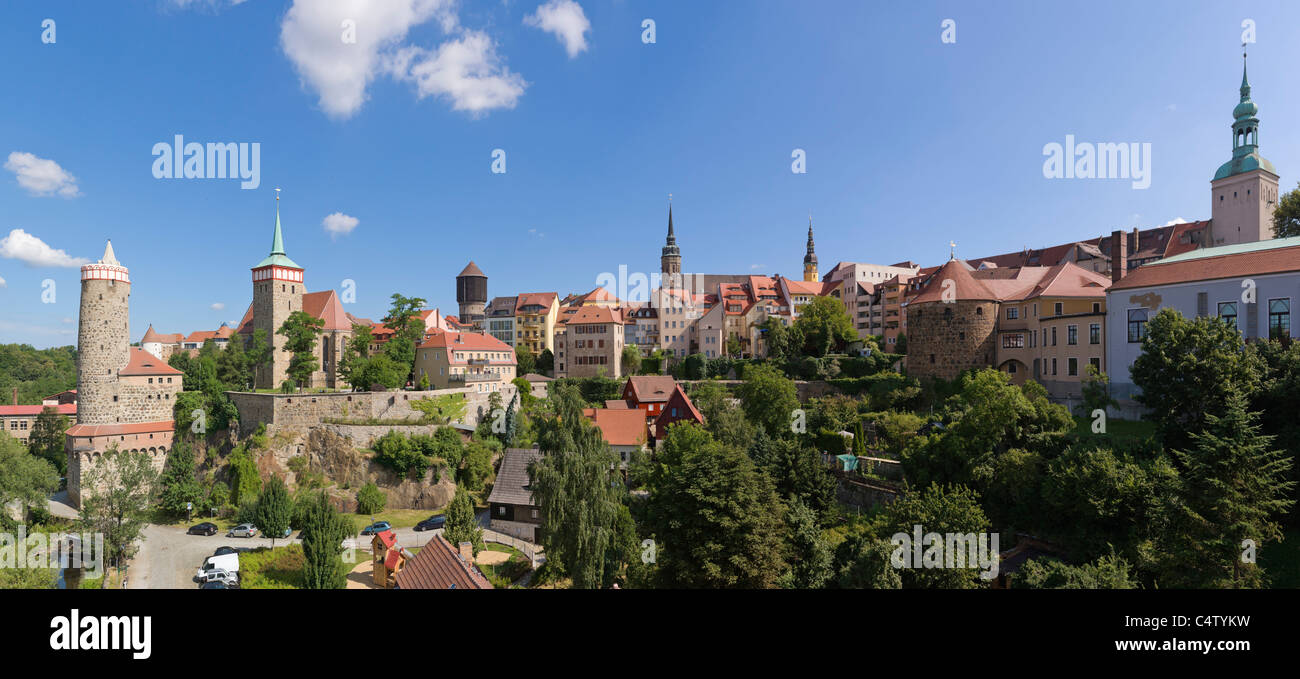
670,258
1244,192
279,289
810,274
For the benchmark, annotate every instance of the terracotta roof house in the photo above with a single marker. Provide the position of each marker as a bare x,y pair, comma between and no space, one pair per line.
678,408
624,429
439,565
510,505
465,359
649,393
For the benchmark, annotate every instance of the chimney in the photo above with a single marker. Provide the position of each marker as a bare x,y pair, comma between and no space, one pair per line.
467,551
1136,244
1118,255
15,395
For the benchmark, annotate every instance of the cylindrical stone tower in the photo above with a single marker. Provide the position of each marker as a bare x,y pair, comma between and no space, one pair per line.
471,295
103,338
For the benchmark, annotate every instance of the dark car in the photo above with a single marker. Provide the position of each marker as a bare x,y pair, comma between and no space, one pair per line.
205,528
376,527
215,584
432,523
227,549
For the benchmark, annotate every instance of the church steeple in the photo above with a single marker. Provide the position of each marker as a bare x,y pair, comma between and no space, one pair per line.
810,259
278,257
1245,134
670,258
1244,191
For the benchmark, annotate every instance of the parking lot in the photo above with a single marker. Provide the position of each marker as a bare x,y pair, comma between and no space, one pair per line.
168,557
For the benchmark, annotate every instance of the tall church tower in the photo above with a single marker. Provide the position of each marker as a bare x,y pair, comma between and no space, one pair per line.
670,258
103,338
1244,190
277,292
810,259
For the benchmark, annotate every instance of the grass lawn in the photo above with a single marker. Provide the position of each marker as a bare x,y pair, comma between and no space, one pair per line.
279,568
502,574
1120,430
398,518
1281,561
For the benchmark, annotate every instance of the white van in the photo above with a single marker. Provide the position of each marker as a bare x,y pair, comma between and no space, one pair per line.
225,562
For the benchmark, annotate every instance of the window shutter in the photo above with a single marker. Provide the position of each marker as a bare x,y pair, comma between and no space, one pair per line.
1252,321
1202,304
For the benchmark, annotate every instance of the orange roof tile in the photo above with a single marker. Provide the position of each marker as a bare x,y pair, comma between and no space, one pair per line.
439,566
121,429
145,363
620,427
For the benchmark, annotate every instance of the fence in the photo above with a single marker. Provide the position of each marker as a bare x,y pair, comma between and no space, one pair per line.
529,549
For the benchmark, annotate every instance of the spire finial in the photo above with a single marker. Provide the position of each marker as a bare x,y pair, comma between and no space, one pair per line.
952,253
277,242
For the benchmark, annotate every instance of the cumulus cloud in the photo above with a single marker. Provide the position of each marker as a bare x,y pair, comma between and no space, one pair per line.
566,21
340,46
1176,220
339,224
41,176
466,71
3,284
33,251
204,4
217,306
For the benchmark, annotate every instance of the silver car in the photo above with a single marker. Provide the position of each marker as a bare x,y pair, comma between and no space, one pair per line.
243,530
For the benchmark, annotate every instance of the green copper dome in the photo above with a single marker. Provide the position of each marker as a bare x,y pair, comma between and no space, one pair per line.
1245,136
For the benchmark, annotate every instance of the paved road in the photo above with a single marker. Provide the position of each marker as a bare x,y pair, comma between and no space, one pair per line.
168,557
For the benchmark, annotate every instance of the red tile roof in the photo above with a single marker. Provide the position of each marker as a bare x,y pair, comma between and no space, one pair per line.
1281,258
595,314
121,429
649,388
468,341
439,566
387,537
544,299
327,307
470,269
145,363
965,286
620,427
686,410
64,409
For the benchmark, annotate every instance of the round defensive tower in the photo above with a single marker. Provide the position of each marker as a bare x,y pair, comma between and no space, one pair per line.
471,294
103,338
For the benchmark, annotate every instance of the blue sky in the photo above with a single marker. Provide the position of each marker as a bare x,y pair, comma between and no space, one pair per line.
910,142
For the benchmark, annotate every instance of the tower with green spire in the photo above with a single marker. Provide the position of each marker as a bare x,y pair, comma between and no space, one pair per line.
1244,190
810,258
277,292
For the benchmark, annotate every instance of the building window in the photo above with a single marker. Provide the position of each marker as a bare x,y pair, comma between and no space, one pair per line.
1071,334
1094,333
1053,366
1279,318
1013,313
1013,341
1011,367
1137,325
1095,362
1072,367
1228,313
1057,308
1096,307
1053,335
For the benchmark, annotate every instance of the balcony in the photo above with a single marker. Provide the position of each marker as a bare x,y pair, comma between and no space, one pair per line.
479,361
474,378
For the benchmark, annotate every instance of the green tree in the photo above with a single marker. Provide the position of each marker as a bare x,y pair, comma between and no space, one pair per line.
245,481
525,362
716,518
274,509
233,367
1189,369
862,562
1286,218
1235,485
800,476
825,325
322,547
943,510
371,500
47,439
769,399
1096,392
546,362
118,490
356,357
300,330
810,560
461,525
631,360
395,451
24,478
260,350
179,487
408,329
579,497
1107,572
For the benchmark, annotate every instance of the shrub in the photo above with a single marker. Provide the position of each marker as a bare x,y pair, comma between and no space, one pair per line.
370,500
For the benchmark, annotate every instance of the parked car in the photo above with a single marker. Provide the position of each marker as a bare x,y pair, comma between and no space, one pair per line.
243,530
215,584
218,575
376,527
225,549
432,523
206,528
288,533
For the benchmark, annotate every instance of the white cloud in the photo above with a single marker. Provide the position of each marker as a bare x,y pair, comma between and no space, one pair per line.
1176,220
312,36
754,267
204,4
339,224
217,306
33,251
69,320
566,20
467,71
40,176
3,284
537,233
